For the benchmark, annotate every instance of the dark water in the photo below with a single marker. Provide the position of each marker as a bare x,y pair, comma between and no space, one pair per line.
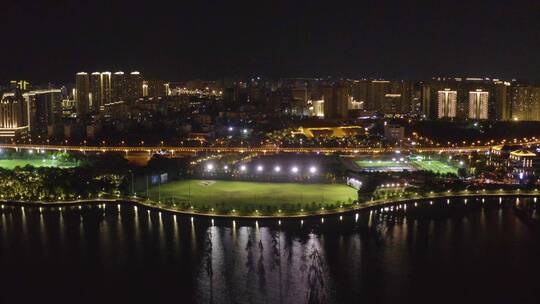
442,253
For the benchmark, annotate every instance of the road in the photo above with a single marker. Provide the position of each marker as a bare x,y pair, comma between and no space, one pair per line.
271,150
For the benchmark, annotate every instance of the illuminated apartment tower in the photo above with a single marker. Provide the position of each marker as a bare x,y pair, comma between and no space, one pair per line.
82,92
446,101
118,87
106,89
478,104
43,108
12,116
94,99
155,89
134,87
21,85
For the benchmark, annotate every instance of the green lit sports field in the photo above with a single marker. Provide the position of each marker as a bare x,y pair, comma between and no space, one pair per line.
236,193
434,166
12,163
388,165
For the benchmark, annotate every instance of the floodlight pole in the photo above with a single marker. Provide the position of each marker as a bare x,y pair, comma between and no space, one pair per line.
132,185
146,186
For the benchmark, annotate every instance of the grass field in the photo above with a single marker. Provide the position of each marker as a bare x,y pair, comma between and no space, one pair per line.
12,163
383,165
434,166
388,165
235,194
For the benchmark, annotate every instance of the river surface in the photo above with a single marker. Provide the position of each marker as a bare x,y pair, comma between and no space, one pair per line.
461,252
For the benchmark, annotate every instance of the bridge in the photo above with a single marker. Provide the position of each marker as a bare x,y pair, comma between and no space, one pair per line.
224,150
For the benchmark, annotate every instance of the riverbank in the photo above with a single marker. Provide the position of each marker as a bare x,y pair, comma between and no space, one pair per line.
156,206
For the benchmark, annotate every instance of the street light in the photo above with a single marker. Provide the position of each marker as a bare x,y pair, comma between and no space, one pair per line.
277,169
209,167
294,169
243,168
260,168
312,169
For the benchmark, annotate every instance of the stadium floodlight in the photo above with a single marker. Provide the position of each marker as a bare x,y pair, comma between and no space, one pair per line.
243,168
312,169
231,129
225,167
277,168
260,168
209,167
244,131
294,169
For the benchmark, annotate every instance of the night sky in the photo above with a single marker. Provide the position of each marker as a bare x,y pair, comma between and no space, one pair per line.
51,40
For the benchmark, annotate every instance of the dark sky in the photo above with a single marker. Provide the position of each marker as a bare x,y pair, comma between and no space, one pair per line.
51,40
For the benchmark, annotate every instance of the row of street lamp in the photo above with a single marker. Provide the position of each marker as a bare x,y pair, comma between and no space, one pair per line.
260,168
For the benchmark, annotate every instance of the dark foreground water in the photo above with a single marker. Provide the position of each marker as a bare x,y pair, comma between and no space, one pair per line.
442,253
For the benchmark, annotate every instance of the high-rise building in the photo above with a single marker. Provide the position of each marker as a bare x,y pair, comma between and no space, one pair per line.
336,101
389,97
393,104
155,88
82,92
134,86
525,102
446,101
21,85
43,108
118,87
377,91
12,116
478,104
96,93
501,107
106,89
494,102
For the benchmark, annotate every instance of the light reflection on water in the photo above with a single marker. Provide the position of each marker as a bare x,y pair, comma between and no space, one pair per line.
401,254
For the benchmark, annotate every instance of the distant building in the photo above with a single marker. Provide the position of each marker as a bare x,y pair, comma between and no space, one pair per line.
478,104
134,86
44,108
394,133
336,101
525,102
155,89
466,98
82,92
118,87
100,90
389,97
96,92
13,123
21,85
446,103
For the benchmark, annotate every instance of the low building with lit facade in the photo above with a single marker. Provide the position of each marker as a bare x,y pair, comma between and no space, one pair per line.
524,163
520,164
330,131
